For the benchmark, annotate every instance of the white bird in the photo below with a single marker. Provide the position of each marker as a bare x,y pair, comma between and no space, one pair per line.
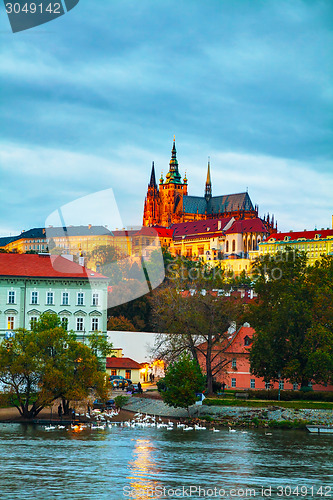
50,428
216,430
268,433
232,430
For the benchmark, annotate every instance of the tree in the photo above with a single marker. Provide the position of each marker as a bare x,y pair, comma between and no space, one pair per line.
120,323
183,379
196,324
293,319
41,365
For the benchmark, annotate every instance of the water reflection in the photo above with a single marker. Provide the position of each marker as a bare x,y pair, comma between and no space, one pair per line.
142,484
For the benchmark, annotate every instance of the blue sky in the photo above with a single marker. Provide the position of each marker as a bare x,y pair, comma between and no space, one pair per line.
90,99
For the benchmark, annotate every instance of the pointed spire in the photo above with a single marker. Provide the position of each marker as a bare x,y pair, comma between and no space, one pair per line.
152,182
208,189
173,176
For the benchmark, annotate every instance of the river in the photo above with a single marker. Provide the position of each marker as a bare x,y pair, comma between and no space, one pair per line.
121,462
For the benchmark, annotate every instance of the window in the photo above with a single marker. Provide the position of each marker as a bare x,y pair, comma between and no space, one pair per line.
113,372
234,363
80,299
49,298
252,383
79,324
94,324
65,299
233,245
11,297
295,387
64,323
233,382
10,323
227,247
95,299
33,322
281,385
34,297
247,340
267,385
128,374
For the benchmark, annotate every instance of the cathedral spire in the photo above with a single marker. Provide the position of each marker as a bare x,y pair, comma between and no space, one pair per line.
208,189
173,176
152,182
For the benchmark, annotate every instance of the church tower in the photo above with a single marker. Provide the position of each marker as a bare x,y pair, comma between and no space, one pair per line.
208,188
152,205
172,192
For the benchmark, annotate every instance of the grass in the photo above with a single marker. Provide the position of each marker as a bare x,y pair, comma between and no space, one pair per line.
298,405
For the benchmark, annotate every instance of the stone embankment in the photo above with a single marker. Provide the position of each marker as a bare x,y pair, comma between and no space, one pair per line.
236,415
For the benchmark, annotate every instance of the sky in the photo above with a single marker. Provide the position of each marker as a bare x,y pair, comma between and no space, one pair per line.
89,100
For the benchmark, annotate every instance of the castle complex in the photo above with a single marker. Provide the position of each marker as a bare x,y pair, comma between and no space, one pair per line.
169,202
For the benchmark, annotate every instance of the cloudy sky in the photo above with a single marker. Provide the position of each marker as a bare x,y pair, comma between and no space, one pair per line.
90,99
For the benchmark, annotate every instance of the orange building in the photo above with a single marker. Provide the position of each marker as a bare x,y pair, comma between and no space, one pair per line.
169,202
237,373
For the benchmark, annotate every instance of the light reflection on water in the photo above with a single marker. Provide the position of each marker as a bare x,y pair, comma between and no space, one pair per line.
98,465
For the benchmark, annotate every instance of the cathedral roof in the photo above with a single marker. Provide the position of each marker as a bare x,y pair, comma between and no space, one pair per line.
216,204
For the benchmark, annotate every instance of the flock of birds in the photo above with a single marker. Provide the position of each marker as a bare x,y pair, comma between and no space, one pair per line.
102,420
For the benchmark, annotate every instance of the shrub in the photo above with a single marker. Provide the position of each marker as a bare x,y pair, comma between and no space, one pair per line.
120,401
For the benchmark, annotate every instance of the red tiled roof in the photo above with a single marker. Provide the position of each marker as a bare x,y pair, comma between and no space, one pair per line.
199,227
246,226
126,363
308,235
160,231
43,266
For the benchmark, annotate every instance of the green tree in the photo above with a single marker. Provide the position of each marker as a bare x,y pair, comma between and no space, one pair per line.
196,324
41,365
183,379
120,324
293,319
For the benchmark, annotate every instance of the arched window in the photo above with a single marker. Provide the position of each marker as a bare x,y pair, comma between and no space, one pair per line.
227,247
253,244
233,245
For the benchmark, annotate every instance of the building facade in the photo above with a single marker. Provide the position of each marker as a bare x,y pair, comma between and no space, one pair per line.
314,243
33,284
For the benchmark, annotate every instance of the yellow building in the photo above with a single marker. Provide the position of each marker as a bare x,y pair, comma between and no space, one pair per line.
314,243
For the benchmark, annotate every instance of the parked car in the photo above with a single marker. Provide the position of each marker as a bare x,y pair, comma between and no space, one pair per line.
118,381
98,404
133,388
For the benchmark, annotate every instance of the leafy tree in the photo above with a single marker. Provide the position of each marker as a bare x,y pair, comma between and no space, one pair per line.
293,319
196,324
41,365
183,379
120,323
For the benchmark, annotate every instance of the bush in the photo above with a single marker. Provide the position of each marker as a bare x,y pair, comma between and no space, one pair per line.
272,395
161,387
120,401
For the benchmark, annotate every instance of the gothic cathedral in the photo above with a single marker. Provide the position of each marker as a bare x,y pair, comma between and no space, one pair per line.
169,203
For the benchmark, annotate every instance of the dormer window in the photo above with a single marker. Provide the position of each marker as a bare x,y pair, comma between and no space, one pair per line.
247,340
287,238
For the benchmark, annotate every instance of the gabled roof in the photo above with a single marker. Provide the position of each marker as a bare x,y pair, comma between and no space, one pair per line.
217,204
124,363
237,343
247,226
199,227
43,266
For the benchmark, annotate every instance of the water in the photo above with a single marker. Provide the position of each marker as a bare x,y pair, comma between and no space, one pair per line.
123,463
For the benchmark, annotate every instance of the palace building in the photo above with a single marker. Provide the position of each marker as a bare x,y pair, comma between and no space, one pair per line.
169,202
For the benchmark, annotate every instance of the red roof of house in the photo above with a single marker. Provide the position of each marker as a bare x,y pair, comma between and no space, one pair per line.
43,266
155,231
199,227
308,235
237,342
247,226
125,363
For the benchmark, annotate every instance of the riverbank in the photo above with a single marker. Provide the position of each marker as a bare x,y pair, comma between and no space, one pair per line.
272,416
